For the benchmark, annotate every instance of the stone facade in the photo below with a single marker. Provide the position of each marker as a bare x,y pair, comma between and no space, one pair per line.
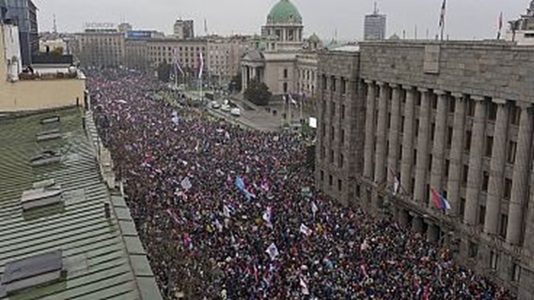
455,117
100,48
281,53
340,114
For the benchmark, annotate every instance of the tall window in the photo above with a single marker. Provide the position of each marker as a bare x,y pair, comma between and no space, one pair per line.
503,223
285,73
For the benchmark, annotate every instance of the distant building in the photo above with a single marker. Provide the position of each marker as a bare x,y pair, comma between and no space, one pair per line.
102,47
522,29
23,13
169,50
375,26
125,27
224,57
52,45
52,83
184,29
281,58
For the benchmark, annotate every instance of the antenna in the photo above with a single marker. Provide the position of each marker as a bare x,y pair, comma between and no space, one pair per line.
54,29
335,35
205,27
375,11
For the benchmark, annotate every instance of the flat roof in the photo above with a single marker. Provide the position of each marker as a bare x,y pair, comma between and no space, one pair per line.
101,257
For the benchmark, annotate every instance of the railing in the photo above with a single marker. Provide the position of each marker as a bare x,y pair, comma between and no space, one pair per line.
47,76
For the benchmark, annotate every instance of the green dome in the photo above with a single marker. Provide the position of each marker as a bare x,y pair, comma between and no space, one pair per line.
284,12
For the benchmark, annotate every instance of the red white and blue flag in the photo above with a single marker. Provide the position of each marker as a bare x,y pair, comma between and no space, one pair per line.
440,201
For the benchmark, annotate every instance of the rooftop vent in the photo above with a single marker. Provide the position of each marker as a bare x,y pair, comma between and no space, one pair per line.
45,194
45,158
48,135
50,120
32,271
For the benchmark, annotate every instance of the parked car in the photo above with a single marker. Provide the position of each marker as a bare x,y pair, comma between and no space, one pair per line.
215,105
236,112
225,108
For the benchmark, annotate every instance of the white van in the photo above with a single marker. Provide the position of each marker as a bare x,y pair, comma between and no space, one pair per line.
236,112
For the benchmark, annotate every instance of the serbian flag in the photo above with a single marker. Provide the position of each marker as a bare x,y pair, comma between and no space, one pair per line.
440,201
201,65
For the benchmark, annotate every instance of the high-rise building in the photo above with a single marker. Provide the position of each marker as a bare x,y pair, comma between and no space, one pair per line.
184,29
375,26
400,129
23,14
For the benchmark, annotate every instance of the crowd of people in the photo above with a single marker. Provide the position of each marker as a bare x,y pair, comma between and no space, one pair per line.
222,214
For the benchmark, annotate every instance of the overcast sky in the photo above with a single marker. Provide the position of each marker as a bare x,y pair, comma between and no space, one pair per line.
466,19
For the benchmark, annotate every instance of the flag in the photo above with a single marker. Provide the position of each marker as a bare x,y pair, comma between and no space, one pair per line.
440,201
240,184
272,251
293,101
201,67
314,208
500,27
186,184
442,15
435,198
304,286
267,217
396,185
396,182
305,230
226,211
218,225
187,241
177,61
173,216
265,184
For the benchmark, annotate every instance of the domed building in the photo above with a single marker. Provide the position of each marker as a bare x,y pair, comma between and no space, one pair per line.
275,59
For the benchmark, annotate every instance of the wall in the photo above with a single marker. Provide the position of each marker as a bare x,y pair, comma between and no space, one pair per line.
40,94
333,123
493,69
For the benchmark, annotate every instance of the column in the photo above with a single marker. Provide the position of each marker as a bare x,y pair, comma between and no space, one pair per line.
369,130
381,132
417,224
476,155
497,167
520,178
432,232
403,217
408,140
421,166
456,153
440,136
394,135
243,78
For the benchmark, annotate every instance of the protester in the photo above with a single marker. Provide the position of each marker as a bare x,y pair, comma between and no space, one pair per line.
221,215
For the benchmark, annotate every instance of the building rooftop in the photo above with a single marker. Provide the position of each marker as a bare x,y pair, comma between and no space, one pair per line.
284,12
83,244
